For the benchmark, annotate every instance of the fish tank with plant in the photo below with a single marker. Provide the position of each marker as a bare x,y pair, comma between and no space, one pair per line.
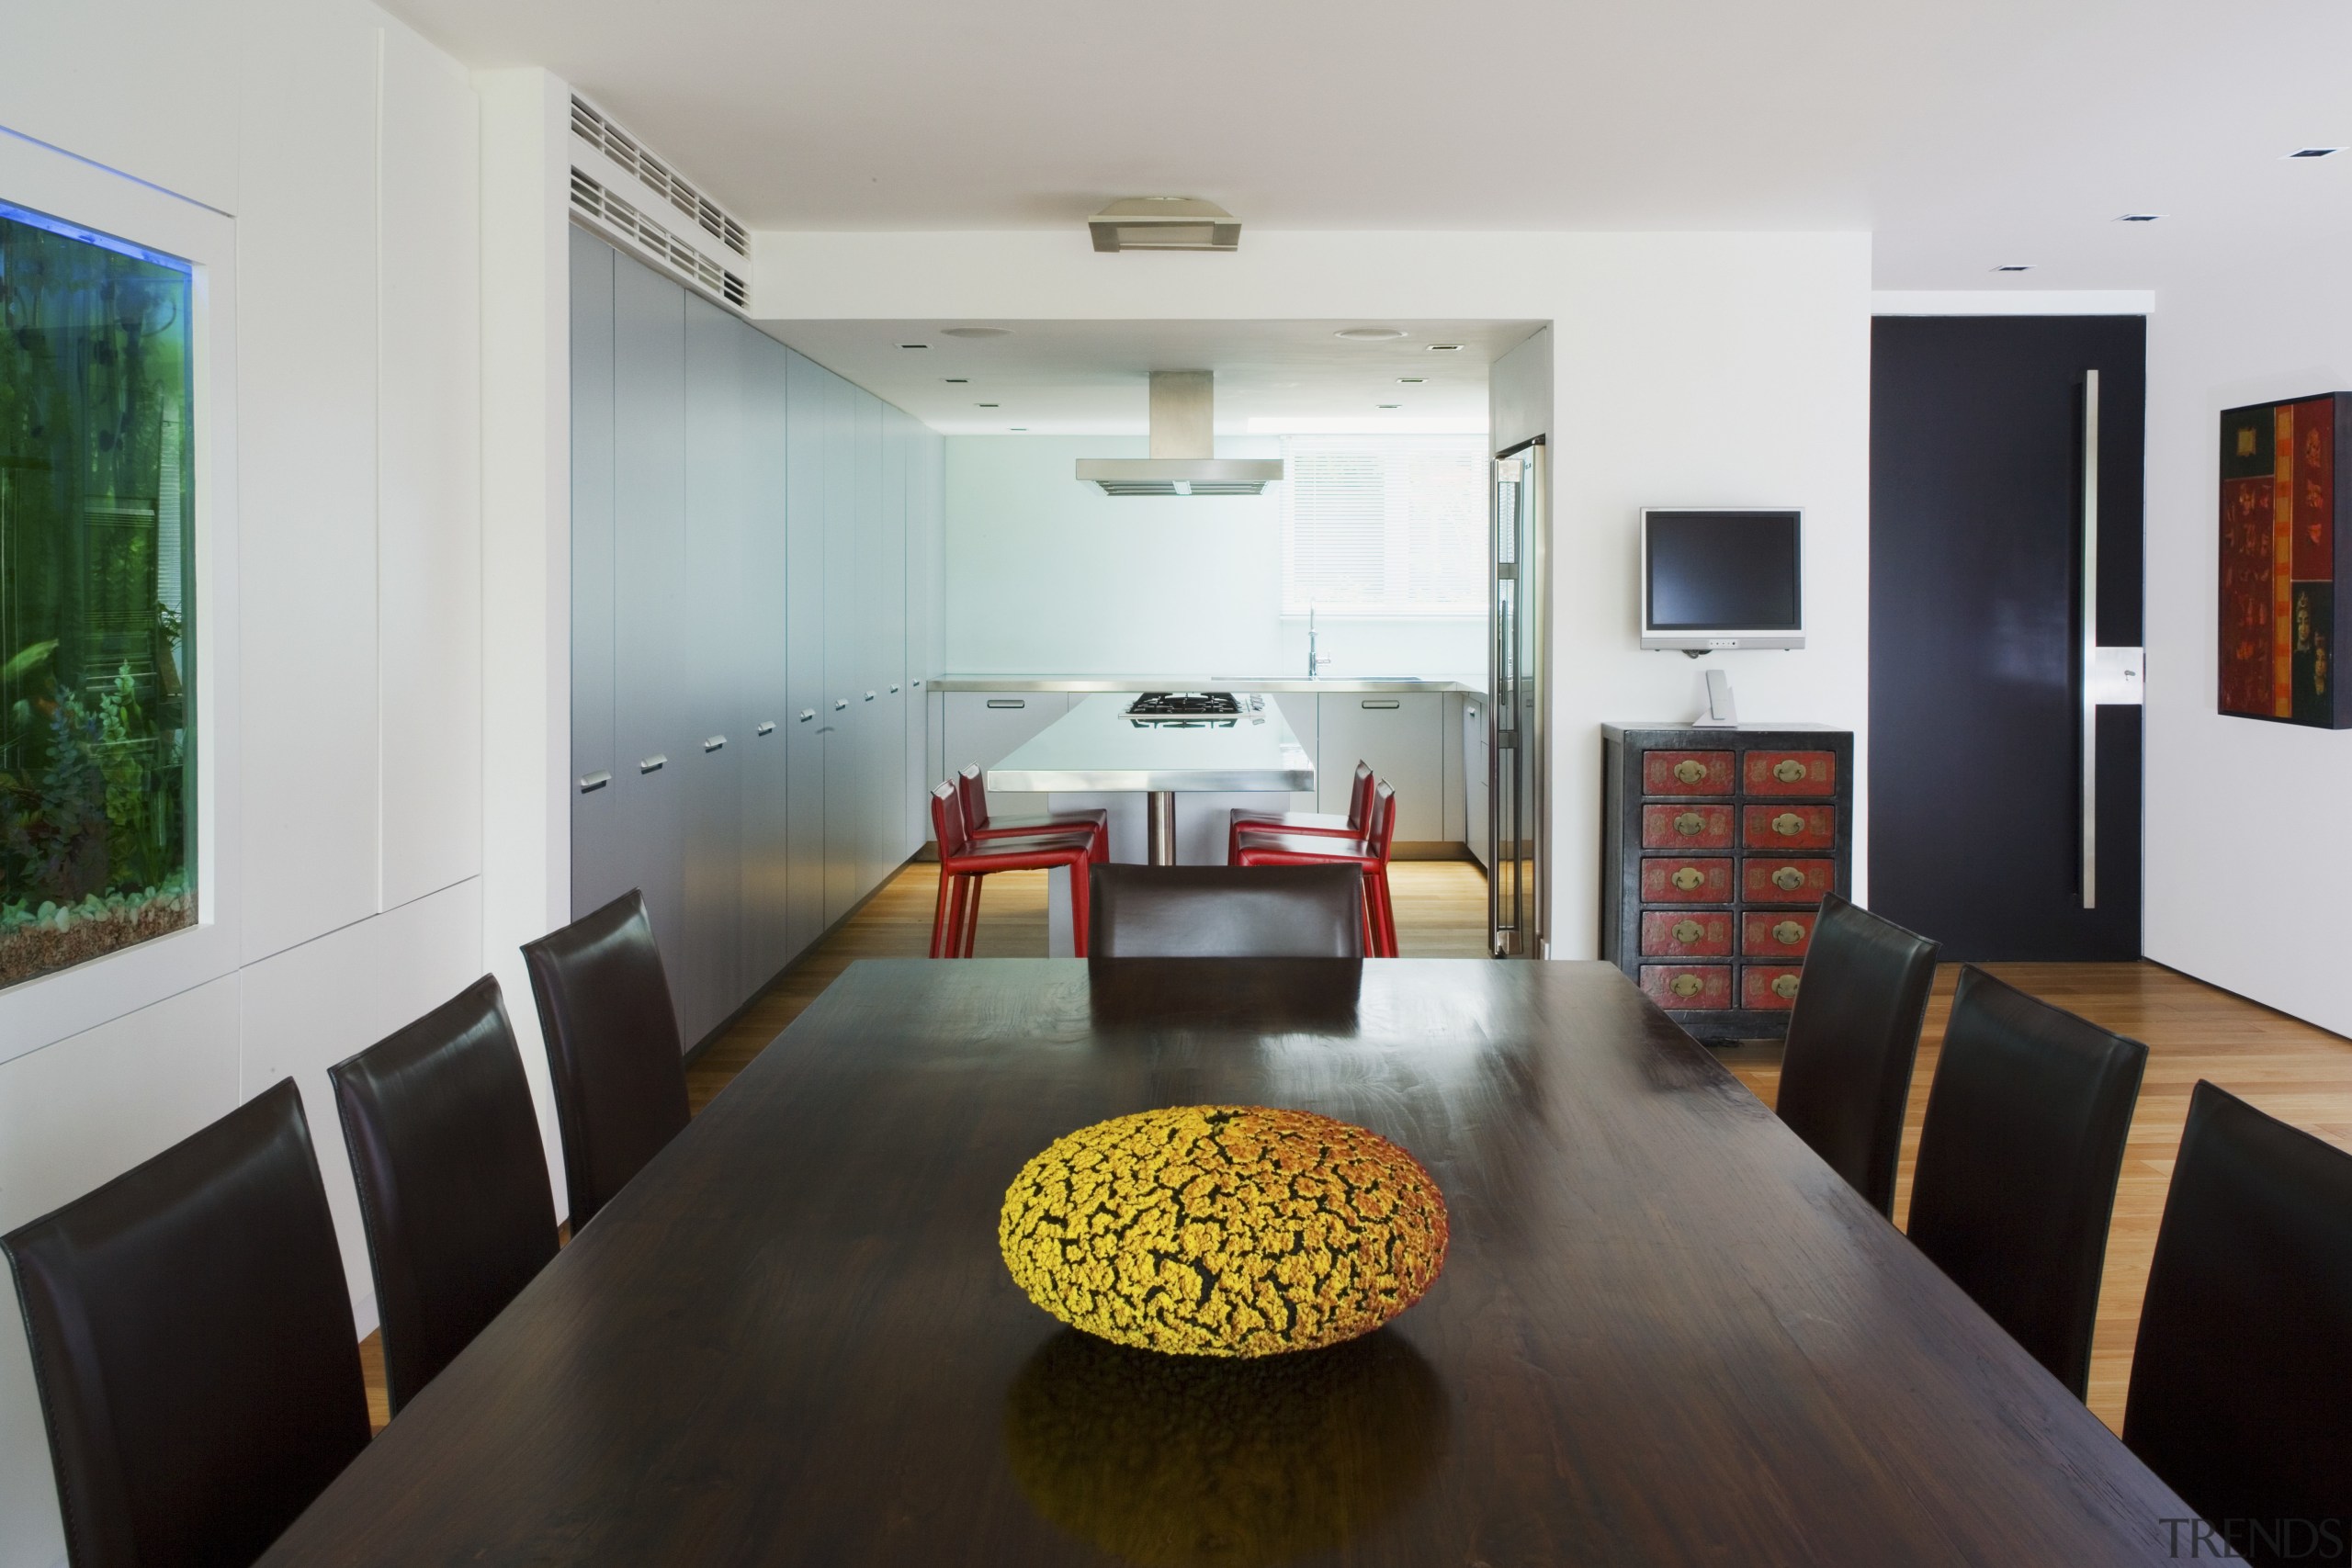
97,848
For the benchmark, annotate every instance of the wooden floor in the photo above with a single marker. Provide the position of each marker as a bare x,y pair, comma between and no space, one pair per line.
2192,1031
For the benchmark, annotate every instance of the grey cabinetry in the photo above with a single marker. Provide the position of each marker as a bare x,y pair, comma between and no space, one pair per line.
1403,737
707,969
883,571
984,726
810,699
923,653
649,599
844,717
598,872
768,928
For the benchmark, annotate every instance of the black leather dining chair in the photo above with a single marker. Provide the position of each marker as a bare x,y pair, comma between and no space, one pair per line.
1853,1035
1225,911
2238,1382
2015,1180
613,1048
193,1344
453,1179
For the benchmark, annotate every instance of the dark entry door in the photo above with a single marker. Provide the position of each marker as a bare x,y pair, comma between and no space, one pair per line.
1978,826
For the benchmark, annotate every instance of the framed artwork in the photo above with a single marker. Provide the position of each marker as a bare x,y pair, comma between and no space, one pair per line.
2282,514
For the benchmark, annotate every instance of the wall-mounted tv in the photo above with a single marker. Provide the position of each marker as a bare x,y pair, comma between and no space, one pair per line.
1721,578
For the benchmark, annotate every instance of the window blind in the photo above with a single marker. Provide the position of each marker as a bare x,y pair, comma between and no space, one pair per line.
1384,525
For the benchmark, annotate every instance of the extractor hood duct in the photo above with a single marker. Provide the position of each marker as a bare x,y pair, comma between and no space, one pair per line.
1183,458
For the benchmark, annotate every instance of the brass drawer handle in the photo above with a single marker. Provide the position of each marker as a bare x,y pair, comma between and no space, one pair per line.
1784,986
1788,824
1788,933
1686,984
1689,879
1687,932
1690,822
1690,772
1788,770
1787,879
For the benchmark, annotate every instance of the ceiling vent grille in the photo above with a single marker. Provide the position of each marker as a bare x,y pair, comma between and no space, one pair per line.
626,193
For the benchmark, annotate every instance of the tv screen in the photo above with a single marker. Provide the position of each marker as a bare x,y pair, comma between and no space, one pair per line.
1727,578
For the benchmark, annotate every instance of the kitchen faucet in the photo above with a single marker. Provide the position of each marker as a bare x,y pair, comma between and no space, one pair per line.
1310,642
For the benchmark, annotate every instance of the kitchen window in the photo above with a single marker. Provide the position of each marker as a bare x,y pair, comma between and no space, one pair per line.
1384,525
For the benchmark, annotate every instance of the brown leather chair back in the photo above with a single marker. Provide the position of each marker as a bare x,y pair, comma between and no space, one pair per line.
2239,1380
1225,911
452,1177
193,1344
613,1048
2017,1162
1853,1035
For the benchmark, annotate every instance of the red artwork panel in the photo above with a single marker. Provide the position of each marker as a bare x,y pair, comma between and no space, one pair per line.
2281,615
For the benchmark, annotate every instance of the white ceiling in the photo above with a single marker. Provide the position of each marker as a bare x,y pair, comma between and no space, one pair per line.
1092,378
1964,134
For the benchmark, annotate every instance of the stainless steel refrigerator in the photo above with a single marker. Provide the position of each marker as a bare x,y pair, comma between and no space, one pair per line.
1519,613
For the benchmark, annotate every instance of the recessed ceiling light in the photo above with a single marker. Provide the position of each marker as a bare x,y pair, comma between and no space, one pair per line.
914,345
1445,348
2315,152
1370,334
1018,429
2015,266
1411,380
978,332
2138,217
984,405
958,380
1392,405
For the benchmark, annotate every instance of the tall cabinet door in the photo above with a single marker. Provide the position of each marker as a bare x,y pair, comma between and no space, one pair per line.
810,407
844,672
922,662
885,571
598,867
709,976
648,598
766,716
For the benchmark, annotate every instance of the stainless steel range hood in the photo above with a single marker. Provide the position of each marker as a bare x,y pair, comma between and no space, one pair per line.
1183,458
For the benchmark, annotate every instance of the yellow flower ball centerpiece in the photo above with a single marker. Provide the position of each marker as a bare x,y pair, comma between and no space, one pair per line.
1223,1230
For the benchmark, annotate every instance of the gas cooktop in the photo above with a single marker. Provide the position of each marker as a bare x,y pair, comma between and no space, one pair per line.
1186,707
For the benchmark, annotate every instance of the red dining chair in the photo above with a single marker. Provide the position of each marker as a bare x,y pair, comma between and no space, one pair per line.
1321,823
963,862
972,795
1369,853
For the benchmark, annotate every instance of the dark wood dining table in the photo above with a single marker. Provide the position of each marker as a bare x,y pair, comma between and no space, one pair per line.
1666,1333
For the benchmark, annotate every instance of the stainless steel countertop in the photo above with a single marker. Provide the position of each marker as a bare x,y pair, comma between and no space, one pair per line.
1475,686
1096,746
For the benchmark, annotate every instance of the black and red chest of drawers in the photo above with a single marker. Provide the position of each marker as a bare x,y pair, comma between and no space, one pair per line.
1717,846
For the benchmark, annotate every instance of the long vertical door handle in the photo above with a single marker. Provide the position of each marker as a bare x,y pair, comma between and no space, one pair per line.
2089,644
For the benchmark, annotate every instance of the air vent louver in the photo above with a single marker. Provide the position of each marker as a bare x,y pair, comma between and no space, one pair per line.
652,234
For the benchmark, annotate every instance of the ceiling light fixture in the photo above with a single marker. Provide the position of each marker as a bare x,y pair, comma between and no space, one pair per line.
978,332
1018,429
914,345
984,405
958,380
1412,380
1445,348
2315,152
2015,266
1392,405
2138,217
1370,334
1165,223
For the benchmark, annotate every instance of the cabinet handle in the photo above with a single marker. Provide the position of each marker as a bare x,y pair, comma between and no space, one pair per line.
716,743
1788,824
1686,984
654,764
1690,773
590,782
840,703
767,726
1687,932
1690,822
1788,770
1784,986
894,691
918,685
1381,703
1787,879
1788,933
1007,701
869,696
805,714
1689,879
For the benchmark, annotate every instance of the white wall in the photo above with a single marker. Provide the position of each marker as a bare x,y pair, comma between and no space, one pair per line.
1696,368
2247,847
341,147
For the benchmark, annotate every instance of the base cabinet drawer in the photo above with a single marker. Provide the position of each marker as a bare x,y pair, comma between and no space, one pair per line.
1679,880
1768,985
1775,934
1403,737
1688,985
1686,772
1686,827
1789,772
1789,827
1676,933
1772,880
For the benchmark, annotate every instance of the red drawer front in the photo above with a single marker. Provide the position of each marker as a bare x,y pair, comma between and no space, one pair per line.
1779,933
1776,881
1670,933
1686,772
1686,827
1684,881
1790,772
1790,826
1764,985
1688,985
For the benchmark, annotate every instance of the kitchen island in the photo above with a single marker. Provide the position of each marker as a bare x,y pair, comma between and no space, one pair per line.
1169,786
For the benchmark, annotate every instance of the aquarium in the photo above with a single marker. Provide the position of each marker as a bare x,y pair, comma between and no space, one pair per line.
98,846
